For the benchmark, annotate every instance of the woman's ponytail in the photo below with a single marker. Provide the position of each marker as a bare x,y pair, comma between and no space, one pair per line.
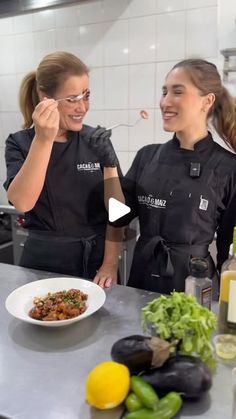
224,118
28,98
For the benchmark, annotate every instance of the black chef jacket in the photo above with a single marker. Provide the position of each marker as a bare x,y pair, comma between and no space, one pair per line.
67,225
179,213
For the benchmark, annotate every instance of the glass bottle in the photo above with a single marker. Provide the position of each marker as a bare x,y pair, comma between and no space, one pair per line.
227,302
197,283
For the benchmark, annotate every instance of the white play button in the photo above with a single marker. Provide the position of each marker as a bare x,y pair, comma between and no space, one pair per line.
116,209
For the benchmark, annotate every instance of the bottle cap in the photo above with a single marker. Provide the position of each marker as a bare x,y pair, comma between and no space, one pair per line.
198,267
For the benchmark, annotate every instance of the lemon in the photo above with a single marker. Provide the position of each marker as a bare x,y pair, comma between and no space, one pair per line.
107,385
225,346
226,350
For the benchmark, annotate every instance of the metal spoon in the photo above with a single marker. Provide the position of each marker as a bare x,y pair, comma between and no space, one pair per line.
143,115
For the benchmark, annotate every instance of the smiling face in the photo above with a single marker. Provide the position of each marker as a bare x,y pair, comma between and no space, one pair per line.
72,113
184,109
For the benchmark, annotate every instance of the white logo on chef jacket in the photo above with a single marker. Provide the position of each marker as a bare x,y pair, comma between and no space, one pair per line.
152,201
88,167
203,204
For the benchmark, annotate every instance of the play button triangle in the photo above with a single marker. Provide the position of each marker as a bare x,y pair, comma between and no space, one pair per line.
116,209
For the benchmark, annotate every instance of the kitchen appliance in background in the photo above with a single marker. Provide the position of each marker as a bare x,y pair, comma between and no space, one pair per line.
18,233
6,244
229,55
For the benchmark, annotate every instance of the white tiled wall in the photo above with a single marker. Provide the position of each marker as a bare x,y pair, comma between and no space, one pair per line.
128,44
227,35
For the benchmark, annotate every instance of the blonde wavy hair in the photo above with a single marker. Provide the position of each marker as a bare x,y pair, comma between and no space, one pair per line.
52,71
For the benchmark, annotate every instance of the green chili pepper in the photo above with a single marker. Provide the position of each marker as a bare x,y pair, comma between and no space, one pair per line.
170,405
167,408
143,414
133,403
145,392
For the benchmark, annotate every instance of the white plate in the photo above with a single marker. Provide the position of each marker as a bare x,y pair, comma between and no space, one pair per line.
20,301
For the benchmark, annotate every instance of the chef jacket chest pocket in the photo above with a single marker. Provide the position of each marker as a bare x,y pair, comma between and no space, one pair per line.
186,209
181,205
90,178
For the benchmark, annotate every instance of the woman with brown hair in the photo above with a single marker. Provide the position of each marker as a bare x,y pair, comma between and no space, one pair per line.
55,170
185,190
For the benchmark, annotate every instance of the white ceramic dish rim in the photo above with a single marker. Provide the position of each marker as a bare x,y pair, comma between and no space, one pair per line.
26,293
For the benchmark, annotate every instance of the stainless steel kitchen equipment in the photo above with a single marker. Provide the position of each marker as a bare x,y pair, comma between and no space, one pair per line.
19,233
229,55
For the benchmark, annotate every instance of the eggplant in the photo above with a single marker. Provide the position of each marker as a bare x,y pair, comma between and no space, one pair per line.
184,374
134,352
140,353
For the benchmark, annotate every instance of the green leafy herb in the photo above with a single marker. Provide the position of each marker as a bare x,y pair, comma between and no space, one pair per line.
180,316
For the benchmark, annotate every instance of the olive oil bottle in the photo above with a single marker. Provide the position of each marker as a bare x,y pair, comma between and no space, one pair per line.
227,303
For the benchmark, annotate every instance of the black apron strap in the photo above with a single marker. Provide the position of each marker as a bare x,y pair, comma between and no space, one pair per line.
160,255
87,244
157,253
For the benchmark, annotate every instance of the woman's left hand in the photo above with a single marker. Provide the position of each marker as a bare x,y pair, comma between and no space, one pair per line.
101,145
106,276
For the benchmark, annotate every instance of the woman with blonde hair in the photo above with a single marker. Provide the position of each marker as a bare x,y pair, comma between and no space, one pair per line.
55,172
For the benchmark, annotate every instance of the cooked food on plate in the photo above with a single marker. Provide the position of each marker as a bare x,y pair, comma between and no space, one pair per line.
61,305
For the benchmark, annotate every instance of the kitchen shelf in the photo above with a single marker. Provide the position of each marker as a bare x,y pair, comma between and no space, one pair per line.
228,53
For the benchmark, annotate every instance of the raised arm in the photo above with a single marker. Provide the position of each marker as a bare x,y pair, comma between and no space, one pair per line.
24,190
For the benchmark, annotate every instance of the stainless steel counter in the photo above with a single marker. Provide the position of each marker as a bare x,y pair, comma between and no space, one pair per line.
43,370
